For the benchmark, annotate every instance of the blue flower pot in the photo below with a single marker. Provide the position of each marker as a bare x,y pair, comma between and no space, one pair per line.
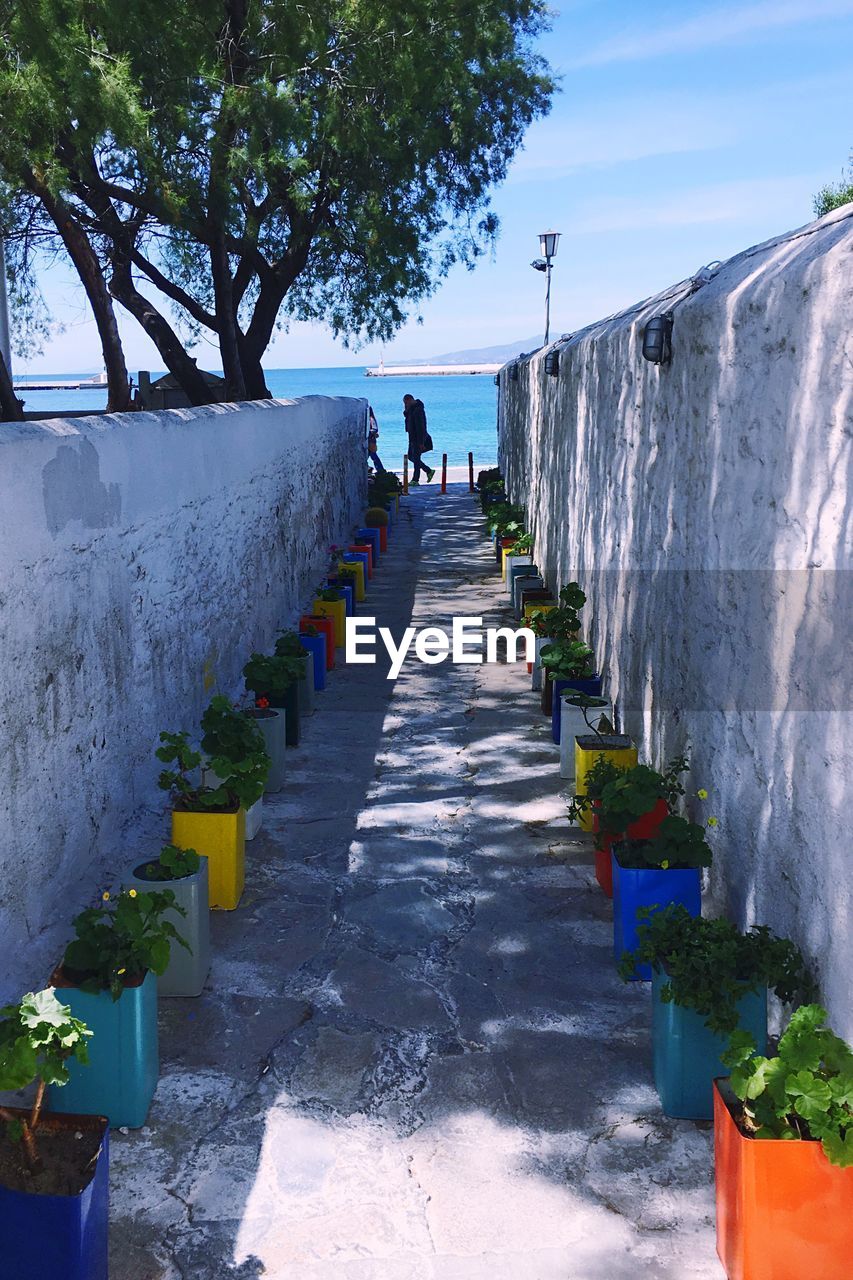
59,1237
686,1054
371,536
317,646
649,887
348,591
352,556
591,687
121,1077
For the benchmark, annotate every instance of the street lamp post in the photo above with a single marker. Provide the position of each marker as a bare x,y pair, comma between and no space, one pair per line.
548,248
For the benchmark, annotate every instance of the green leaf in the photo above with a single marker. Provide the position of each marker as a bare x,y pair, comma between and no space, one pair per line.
838,1149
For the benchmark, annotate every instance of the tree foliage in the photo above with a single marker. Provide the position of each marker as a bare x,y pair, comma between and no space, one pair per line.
254,160
835,194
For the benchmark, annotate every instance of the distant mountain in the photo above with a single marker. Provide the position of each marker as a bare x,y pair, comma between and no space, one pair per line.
481,355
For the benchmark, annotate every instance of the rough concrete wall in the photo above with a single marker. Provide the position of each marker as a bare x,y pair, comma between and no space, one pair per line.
706,507
142,558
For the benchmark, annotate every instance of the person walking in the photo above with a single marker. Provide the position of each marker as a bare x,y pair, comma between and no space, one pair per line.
372,436
420,441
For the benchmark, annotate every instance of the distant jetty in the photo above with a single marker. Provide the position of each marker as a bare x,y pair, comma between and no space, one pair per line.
97,383
429,370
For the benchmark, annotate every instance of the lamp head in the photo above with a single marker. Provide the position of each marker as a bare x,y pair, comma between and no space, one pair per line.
548,243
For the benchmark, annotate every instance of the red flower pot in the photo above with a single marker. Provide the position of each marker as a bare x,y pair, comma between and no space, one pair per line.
383,537
326,627
645,828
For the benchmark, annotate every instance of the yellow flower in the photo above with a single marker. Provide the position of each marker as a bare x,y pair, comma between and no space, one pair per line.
105,897
702,793
131,893
712,822
121,971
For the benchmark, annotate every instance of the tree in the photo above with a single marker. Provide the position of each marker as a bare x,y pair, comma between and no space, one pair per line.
835,194
255,160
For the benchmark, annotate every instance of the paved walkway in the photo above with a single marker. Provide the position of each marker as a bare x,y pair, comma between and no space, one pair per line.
413,1059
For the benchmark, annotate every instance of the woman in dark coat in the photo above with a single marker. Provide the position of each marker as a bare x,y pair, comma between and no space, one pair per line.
419,439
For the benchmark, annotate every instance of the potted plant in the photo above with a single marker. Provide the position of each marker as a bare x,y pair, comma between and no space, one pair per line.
652,873
783,1154
275,677
635,802
370,537
378,518
708,980
359,558
54,1169
345,576
599,756
212,818
233,746
184,873
108,978
289,645
326,627
580,714
329,602
568,664
271,723
314,640
520,553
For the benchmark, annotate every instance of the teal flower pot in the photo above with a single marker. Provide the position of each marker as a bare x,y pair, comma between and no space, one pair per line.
289,703
124,1065
271,724
686,1054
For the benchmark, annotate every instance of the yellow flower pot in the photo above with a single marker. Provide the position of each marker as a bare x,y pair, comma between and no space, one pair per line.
221,837
536,606
337,611
506,551
623,757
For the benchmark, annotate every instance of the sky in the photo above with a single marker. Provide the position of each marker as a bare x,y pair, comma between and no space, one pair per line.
682,133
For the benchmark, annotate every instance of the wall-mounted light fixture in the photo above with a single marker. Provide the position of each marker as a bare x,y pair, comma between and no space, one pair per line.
552,363
657,339
513,373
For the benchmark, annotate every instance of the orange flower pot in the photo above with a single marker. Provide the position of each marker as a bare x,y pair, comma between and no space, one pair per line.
783,1211
364,547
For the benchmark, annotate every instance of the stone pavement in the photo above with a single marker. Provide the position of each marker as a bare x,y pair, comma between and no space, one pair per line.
413,1059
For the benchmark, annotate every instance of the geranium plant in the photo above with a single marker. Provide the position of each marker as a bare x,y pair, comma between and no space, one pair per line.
600,772
38,1036
235,755
804,1092
636,791
568,660
710,965
676,845
121,939
172,864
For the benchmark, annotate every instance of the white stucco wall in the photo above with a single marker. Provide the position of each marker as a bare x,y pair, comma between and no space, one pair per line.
142,558
705,505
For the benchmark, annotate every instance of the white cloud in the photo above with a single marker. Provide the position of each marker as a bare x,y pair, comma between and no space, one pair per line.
716,203
718,26
564,143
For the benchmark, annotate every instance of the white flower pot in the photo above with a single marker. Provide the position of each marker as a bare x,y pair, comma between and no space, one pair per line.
306,688
510,561
536,677
254,818
572,724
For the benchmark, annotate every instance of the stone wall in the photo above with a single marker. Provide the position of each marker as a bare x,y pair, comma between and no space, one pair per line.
705,505
142,557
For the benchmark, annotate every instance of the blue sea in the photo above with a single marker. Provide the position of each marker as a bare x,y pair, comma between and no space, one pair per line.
461,409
